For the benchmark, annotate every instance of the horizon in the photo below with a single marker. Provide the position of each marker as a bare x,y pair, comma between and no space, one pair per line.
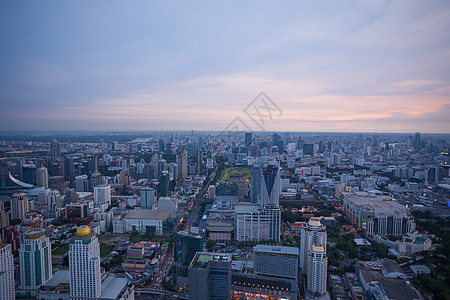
324,67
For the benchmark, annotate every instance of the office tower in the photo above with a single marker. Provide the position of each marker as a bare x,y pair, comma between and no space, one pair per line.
308,149
19,206
312,233
317,270
184,165
7,291
53,199
417,142
4,216
55,151
161,145
42,177
186,245
270,186
84,265
148,198
102,194
81,184
115,146
35,260
256,183
210,276
162,166
164,184
248,139
276,261
29,173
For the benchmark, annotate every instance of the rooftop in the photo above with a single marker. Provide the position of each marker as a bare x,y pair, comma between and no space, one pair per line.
276,249
149,214
201,259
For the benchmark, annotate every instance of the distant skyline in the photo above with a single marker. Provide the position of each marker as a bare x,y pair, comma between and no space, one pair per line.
330,66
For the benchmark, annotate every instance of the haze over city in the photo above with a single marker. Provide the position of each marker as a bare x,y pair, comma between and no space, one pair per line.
366,66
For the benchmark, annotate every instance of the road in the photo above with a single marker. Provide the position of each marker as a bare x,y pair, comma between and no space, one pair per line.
161,272
141,293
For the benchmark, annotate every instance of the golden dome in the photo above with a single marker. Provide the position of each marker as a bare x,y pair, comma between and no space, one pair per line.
84,230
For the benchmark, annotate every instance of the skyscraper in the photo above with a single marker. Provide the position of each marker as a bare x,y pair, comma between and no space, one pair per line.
186,245
317,270
256,183
210,276
42,177
84,264
270,186
184,165
164,184
19,206
312,233
248,139
53,200
276,261
148,198
7,291
417,142
35,260
55,151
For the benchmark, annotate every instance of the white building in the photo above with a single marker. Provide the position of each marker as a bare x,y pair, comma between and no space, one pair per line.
317,270
19,206
7,291
42,177
84,265
102,194
256,224
276,261
378,214
148,198
145,221
312,233
35,260
53,198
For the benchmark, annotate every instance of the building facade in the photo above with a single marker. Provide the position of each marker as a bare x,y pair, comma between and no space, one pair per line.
84,265
35,260
7,291
276,261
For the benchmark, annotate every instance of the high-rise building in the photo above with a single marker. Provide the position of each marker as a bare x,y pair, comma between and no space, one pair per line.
308,149
19,206
186,245
311,233
102,194
81,183
164,184
124,177
256,224
7,291
42,177
317,270
184,165
4,216
256,183
55,151
53,200
417,142
270,186
29,173
148,198
275,261
35,260
248,139
84,265
210,276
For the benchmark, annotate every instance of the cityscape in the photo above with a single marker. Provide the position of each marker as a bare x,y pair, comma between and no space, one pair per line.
225,151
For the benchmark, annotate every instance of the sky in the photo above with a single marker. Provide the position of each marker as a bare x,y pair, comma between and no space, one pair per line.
329,66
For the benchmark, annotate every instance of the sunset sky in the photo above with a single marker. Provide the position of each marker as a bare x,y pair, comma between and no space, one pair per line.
361,66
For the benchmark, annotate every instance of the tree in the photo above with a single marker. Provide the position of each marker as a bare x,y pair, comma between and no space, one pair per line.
210,244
